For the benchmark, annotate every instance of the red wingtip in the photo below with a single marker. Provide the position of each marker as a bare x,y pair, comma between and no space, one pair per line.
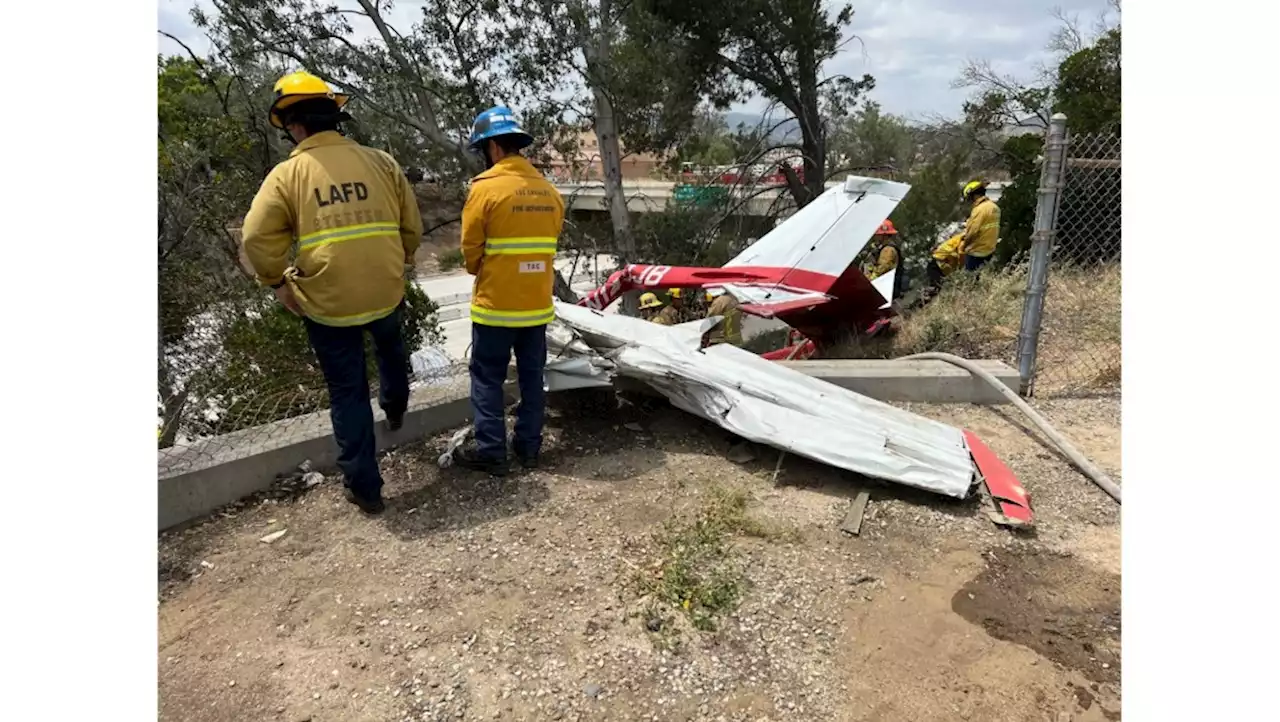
1011,498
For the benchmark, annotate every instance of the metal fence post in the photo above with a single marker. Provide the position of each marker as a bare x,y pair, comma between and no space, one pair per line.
1041,248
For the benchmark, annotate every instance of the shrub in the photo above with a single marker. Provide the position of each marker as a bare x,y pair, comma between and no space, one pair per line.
450,260
264,369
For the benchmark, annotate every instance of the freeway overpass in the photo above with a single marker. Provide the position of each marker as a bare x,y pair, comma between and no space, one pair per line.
648,196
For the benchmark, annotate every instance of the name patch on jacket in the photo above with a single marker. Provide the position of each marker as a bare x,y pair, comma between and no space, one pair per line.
342,193
533,266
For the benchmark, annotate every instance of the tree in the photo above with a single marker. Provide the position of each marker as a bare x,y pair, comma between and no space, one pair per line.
429,80
211,155
422,85
706,143
1088,89
627,81
776,48
1091,62
1083,83
869,138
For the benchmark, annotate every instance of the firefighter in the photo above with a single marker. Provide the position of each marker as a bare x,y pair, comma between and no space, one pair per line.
510,226
657,312
678,312
982,229
888,258
944,260
649,305
729,330
356,223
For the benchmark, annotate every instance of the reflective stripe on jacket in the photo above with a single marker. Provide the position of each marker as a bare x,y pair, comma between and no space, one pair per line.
730,329
349,215
982,230
510,226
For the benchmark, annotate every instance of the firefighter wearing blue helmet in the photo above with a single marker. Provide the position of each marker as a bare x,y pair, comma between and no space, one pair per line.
510,226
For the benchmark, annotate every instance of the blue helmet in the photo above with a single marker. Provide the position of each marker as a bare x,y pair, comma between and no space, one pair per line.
497,121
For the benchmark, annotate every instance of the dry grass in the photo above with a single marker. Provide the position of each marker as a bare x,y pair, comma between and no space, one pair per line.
451,259
979,318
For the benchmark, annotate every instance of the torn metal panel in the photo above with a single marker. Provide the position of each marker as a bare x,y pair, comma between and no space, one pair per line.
769,403
884,284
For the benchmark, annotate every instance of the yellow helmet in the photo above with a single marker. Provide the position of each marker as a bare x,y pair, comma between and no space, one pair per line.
972,186
674,293
300,86
649,300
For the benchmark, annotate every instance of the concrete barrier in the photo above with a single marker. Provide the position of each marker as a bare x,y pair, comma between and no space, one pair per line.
933,382
197,479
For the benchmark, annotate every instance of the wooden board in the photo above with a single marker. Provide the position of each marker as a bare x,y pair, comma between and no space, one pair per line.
852,523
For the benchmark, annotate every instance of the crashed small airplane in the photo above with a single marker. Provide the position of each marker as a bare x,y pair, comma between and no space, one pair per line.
802,273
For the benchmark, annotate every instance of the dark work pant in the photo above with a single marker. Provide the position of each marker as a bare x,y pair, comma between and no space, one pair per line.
973,263
340,350
491,348
933,275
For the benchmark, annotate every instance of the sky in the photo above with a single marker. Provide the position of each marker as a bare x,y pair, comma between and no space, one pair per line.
913,48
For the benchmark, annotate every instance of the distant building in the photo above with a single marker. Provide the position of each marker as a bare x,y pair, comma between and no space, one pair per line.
586,165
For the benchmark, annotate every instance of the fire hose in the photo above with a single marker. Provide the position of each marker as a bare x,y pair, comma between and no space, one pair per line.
1078,459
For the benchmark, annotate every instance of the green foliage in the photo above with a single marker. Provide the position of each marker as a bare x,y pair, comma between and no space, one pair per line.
211,154
683,234
706,143
267,371
870,138
1018,202
933,203
703,226
659,82
698,571
777,48
1088,89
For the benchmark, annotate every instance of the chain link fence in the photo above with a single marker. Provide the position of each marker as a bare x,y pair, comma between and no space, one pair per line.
1075,255
236,373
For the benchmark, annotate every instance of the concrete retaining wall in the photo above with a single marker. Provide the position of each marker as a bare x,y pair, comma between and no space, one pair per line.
198,479
933,382
195,480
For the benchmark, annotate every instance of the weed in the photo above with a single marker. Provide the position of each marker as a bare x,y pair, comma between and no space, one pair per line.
450,260
698,572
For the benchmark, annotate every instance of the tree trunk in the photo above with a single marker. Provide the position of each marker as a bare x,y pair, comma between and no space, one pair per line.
611,161
173,402
596,50
813,140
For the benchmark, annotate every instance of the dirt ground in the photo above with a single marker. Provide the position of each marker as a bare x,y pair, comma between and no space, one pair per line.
525,599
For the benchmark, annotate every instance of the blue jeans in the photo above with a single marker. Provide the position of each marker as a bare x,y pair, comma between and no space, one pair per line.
491,348
340,351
